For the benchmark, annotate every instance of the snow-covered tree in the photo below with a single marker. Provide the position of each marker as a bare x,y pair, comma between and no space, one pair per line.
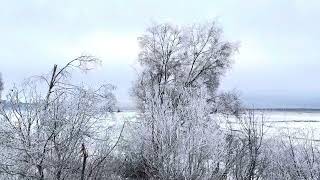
176,92
56,134
186,57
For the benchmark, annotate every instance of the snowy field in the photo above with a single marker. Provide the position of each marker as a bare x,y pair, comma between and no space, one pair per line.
298,124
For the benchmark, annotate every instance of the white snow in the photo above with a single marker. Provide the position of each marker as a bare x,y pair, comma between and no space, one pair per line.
298,124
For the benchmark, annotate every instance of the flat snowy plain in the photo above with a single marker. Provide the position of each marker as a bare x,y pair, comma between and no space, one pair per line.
299,124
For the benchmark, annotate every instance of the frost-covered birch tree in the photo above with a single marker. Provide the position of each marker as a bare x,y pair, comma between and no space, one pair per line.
176,92
184,57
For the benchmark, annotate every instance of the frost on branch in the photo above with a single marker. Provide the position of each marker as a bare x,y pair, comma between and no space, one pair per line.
55,135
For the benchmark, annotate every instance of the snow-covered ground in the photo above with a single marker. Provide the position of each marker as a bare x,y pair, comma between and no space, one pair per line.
296,124
300,124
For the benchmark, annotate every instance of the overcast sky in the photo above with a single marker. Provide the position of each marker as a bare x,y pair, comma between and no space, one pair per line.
277,64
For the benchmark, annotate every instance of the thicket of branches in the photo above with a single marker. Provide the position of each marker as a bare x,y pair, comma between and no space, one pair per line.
185,127
184,130
56,134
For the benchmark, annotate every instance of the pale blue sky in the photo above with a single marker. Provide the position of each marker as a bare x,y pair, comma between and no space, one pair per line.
277,64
